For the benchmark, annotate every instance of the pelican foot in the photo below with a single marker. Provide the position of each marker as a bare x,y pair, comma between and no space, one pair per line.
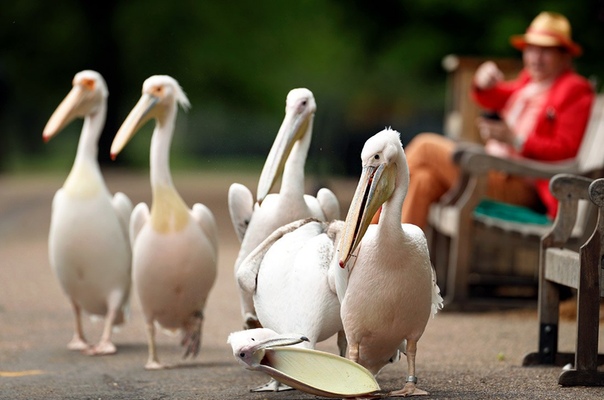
155,365
101,349
272,386
408,390
78,344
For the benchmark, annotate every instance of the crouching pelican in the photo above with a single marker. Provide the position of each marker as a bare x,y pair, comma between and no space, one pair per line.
287,276
88,241
386,283
315,372
174,248
254,223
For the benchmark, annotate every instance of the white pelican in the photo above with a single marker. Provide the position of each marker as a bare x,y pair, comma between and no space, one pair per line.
253,223
316,372
287,275
88,241
386,284
174,248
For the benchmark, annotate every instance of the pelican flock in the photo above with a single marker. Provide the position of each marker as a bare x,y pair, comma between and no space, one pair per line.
174,248
88,242
299,269
381,274
255,222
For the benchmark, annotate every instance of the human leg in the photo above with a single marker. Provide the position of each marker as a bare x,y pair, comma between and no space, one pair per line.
512,189
432,174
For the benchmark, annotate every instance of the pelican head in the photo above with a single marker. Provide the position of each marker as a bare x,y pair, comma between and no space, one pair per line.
161,94
88,93
311,371
300,109
380,157
249,346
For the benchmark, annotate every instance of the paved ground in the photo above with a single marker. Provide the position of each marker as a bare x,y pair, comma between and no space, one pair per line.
461,356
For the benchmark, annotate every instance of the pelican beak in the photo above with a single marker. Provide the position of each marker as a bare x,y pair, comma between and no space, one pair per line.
69,109
140,114
318,373
293,128
278,341
375,187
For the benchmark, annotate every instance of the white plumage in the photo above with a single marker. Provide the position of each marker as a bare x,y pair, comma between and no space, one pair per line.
88,241
287,276
386,284
174,248
254,223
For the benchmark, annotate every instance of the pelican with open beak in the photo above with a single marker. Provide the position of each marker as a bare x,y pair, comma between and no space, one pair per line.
385,283
311,371
174,248
88,243
254,222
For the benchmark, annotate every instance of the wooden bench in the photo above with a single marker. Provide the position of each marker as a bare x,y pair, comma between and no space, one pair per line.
467,249
581,270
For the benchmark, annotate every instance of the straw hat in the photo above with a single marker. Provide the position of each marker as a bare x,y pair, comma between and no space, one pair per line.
548,29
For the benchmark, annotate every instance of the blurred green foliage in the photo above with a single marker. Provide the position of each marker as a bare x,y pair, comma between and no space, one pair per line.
370,64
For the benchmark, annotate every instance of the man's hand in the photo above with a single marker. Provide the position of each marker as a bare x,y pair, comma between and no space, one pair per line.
495,129
487,75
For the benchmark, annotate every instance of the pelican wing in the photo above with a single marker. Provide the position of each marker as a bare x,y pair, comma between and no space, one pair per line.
437,300
204,217
123,208
57,198
329,204
140,215
247,272
319,373
241,207
337,277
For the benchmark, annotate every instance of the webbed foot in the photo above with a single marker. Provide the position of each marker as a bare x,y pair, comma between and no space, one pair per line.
101,349
78,344
272,386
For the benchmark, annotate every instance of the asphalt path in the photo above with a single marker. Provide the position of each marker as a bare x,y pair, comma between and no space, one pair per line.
461,355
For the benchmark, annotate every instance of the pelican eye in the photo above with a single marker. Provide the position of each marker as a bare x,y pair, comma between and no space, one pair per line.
242,354
376,157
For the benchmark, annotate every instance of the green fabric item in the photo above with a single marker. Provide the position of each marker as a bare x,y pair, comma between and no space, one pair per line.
509,212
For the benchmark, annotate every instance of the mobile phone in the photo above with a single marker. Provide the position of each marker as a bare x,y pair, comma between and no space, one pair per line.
491,115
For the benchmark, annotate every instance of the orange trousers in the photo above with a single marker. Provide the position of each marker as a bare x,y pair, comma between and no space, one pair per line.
433,173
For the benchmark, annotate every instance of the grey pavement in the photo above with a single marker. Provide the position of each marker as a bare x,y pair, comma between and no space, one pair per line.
461,355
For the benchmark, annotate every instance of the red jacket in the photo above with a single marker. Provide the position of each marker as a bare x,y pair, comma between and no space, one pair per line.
560,126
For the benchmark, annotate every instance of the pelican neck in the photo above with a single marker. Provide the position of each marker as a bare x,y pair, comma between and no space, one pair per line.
293,171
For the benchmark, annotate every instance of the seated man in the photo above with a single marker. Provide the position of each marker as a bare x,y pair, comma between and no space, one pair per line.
541,115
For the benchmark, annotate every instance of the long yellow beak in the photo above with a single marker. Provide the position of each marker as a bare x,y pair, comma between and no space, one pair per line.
376,185
67,111
292,129
140,114
312,371
319,373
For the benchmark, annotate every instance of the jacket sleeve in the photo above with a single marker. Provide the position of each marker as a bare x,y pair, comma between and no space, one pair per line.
495,98
560,126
